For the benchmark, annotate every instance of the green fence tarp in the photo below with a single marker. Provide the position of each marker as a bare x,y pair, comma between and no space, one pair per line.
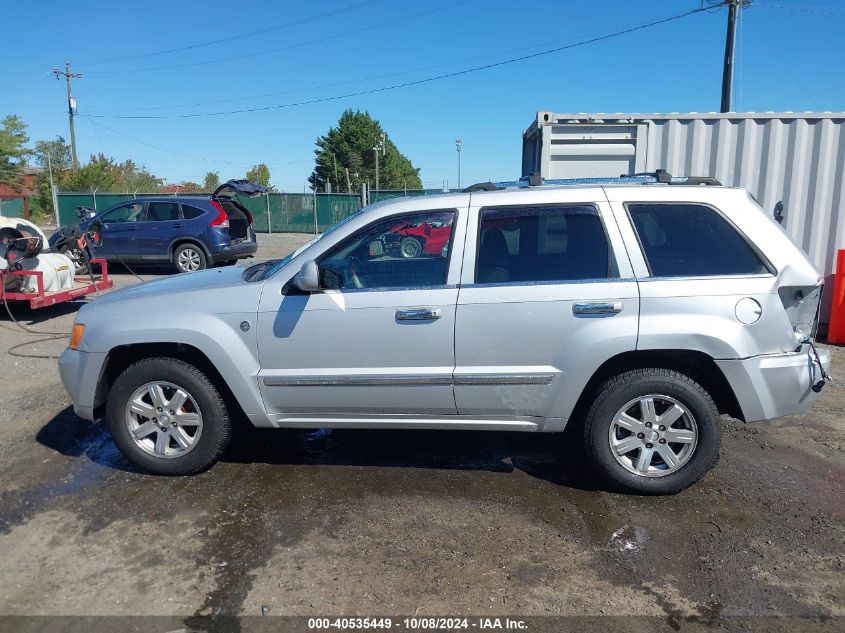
278,212
288,212
11,207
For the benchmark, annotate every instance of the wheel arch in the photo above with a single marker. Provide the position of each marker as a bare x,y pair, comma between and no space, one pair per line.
122,356
697,365
177,242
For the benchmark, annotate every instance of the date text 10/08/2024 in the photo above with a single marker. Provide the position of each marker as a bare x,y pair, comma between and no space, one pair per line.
418,623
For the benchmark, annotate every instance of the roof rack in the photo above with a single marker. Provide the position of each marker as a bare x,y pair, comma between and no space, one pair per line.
661,176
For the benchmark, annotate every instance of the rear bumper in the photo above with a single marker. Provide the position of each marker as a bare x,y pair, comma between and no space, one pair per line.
775,385
237,250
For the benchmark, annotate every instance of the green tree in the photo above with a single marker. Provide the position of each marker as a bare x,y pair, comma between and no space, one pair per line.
13,151
99,173
259,174
350,146
132,177
211,181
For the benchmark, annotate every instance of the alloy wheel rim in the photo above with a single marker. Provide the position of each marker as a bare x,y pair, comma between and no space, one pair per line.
411,248
189,260
653,435
163,419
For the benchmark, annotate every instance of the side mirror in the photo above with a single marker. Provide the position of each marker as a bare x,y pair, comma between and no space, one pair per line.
778,212
308,277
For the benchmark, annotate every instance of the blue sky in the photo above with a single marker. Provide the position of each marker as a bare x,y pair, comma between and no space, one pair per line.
790,55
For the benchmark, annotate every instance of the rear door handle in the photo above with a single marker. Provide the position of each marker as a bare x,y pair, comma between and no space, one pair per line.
419,314
597,307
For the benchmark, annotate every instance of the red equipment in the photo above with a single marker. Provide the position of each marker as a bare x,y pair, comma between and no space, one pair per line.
83,285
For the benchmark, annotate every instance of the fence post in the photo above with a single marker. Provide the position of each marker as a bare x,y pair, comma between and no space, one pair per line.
315,209
269,225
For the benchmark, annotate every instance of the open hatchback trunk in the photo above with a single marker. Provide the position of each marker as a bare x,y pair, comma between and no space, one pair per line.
239,218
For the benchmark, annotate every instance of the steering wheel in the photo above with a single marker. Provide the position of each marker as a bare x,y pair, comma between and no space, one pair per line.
356,269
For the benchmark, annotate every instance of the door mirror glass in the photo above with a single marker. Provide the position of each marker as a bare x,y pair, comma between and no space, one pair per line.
308,278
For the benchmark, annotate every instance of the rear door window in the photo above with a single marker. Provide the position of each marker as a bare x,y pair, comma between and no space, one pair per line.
162,211
691,240
549,243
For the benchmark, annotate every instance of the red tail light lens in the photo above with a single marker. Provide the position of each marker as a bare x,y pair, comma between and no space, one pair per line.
222,219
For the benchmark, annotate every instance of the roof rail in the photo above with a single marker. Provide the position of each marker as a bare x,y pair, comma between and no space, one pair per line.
661,176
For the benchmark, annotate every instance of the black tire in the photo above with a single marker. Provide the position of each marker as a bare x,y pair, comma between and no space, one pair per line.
216,424
189,258
77,257
620,390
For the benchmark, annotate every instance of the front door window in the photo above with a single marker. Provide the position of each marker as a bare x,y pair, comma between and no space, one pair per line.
407,251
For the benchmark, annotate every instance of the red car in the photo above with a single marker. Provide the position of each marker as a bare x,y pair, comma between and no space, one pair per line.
415,240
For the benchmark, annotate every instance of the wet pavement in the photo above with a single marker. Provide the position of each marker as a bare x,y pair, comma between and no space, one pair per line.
407,522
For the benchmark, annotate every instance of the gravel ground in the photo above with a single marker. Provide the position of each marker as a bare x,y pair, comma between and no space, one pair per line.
410,522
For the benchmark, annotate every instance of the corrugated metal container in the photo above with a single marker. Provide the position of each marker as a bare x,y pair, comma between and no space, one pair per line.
795,157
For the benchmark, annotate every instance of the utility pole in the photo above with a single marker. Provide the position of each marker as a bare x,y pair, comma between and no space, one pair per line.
348,183
71,109
458,144
730,40
379,147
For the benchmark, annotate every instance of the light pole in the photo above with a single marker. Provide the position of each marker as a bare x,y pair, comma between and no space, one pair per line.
458,144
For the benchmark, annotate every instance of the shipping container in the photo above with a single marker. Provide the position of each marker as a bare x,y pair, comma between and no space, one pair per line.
798,158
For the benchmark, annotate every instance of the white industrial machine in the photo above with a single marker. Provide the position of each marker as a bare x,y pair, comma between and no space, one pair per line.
21,248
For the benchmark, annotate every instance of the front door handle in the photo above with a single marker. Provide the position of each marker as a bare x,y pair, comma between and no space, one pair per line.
597,307
419,314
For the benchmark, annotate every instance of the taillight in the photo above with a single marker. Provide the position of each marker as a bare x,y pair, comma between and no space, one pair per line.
222,219
802,308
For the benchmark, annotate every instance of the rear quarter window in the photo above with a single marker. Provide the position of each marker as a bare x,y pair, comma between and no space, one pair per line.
691,240
191,213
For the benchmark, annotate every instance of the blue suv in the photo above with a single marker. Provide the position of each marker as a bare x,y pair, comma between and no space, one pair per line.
191,233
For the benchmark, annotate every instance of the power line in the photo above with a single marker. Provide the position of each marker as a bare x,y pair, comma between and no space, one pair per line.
232,38
200,158
416,82
803,9
269,51
347,82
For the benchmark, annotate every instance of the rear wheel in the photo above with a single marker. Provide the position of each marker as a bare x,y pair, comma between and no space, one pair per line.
189,258
652,431
167,417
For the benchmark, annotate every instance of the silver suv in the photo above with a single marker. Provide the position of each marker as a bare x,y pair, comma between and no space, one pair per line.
639,312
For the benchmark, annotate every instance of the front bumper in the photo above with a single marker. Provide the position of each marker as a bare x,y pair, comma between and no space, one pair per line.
80,373
775,385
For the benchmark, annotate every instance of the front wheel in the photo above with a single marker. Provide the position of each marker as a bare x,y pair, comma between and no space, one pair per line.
189,258
167,417
652,431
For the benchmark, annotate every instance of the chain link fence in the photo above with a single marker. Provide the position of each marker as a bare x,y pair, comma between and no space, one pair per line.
272,213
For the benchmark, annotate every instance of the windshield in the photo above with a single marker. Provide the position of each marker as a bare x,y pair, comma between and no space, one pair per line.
265,270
